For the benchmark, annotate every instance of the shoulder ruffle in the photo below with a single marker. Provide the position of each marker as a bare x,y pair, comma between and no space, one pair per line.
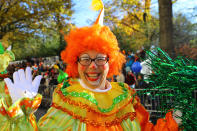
104,109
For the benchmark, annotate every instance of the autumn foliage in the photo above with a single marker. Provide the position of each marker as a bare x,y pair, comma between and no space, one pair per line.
187,51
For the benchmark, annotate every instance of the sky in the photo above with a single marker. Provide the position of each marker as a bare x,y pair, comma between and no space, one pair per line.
180,6
83,14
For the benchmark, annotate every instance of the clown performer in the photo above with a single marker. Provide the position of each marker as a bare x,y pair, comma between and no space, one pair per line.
5,58
88,101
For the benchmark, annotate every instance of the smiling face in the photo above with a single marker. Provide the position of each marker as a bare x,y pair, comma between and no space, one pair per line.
93,75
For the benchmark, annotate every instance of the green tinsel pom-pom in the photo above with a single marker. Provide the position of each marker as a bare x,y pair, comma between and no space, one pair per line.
174,81
62,76
1,48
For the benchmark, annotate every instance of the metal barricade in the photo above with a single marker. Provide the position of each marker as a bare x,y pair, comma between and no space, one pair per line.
47,93
152,102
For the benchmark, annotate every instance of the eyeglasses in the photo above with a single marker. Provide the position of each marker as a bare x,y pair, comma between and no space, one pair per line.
98,60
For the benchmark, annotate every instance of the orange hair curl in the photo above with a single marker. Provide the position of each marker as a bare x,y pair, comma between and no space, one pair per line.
96,37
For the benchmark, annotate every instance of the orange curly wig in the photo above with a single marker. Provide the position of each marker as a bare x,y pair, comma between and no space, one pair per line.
96,37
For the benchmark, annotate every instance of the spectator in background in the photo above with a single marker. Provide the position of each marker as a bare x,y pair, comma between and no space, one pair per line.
120,78
130,60
35,68
58,64
142,54
140,83
40,66
146,69
130,78
137,58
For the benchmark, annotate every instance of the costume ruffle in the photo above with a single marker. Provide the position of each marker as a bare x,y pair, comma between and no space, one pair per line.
21,112
108,108
163,124
72,113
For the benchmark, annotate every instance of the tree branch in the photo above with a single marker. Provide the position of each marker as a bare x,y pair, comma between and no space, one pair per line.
126,24
1,5
7,9
10,6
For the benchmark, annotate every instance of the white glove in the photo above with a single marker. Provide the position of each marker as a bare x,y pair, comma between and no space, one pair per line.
22,85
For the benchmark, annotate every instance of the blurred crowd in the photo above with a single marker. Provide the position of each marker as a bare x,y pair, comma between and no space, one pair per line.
40,66
131,71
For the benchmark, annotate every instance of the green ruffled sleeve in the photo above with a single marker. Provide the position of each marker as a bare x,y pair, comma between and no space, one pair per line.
19,116
4,93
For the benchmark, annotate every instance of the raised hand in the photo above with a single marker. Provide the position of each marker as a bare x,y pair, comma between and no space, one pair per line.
22,85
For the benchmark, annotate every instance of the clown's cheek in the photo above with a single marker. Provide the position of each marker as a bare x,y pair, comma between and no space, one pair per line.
82,68
105,67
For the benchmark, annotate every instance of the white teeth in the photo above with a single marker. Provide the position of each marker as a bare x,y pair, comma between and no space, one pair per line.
93,75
